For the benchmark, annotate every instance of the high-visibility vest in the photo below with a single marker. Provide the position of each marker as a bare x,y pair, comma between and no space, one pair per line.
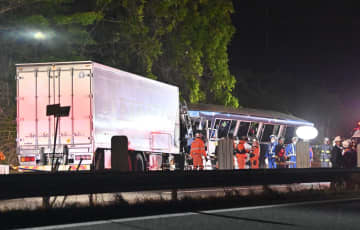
197,148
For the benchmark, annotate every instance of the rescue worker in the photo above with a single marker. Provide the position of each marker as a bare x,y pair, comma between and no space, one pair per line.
325,150
353,144
236,142
290,152
197,152
255,154
270,152
349,158
311,155
280,153
235,145
336,153
241,152
2,156
189,139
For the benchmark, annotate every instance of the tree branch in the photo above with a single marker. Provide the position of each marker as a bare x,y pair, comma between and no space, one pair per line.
15,4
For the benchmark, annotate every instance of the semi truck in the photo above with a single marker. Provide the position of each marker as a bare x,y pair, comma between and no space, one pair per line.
106,102
103,101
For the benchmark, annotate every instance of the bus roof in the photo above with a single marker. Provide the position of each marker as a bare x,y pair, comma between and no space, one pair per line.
247,114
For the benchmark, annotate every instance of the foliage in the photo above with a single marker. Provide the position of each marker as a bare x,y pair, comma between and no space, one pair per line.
8,135
176,41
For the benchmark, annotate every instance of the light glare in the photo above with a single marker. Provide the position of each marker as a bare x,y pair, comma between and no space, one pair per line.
307,132
39,36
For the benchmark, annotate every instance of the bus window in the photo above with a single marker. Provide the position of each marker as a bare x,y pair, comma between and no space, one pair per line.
276,130
232,128
268,130
213,131
243,129
289,134
253,129
224,127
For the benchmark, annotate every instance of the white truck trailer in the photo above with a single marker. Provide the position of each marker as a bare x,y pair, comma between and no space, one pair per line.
104,102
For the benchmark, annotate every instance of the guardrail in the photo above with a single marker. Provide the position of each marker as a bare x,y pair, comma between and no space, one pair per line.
75,183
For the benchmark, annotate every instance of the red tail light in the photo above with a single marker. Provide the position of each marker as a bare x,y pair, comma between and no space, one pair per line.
84,157
27,159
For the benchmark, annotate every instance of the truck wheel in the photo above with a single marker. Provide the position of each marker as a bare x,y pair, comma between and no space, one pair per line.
139,163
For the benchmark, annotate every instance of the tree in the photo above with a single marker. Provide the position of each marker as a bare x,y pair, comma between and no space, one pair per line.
176,41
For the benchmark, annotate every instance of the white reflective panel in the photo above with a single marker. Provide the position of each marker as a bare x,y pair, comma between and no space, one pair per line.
306,132
161,141
155,162
107,159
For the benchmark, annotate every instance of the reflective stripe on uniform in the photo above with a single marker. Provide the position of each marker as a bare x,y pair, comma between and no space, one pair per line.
198,148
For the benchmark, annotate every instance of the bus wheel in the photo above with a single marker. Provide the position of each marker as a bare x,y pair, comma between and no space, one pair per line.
139,163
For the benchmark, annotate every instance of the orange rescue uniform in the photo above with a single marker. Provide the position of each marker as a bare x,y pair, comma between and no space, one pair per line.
2,156
254,160
241,154
196,152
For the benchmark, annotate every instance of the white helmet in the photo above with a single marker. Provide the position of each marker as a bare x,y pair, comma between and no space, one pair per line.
346,143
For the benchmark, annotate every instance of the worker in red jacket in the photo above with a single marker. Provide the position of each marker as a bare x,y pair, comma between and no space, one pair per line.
241,152
280,153
197,151
255,154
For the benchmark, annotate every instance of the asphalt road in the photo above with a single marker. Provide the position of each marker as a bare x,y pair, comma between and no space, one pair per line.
330,215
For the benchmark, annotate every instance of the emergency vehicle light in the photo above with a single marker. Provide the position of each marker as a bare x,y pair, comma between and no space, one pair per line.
27,159
83,157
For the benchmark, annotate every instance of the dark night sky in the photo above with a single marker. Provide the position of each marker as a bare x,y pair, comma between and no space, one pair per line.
317,44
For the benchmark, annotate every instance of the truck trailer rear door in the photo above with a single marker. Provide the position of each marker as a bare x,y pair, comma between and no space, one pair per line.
38,87
72,87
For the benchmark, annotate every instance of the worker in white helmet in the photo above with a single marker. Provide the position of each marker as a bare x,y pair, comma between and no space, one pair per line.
336,153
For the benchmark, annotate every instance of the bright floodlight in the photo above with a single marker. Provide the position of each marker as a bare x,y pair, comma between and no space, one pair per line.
306,132
39,36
